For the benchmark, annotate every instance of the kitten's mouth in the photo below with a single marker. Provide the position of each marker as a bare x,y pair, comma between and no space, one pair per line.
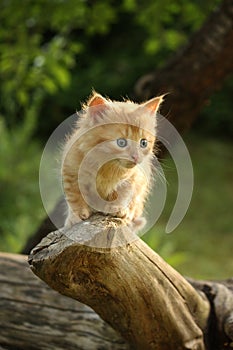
127,163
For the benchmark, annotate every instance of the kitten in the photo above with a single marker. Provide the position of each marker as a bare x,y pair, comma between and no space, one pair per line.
107,160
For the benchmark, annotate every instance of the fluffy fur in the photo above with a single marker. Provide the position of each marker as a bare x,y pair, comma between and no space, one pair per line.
101,173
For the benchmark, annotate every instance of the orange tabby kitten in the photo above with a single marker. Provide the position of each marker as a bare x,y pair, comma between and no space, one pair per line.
107,161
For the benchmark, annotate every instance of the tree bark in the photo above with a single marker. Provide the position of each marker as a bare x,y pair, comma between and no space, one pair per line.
102,264
195,72
34,317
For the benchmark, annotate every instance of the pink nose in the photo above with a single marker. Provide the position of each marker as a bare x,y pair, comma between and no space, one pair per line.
135,158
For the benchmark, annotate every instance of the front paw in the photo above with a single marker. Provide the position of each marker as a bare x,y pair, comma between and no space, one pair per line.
77,216
138,223
71,221
84,213
123,213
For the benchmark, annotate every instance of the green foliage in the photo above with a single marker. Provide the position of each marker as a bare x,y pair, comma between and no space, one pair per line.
167,23
203,242
33,61
56,51
20,208
37,49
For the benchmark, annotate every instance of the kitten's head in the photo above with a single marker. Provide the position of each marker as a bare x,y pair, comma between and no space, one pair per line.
124,130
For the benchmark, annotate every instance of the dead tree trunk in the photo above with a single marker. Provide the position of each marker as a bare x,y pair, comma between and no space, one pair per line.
102,264
34,317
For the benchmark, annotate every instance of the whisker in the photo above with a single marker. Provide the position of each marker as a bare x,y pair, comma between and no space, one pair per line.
157,171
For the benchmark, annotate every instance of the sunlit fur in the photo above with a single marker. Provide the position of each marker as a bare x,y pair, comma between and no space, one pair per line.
123,174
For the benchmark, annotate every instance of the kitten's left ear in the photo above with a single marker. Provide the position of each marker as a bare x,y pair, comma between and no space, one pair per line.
153,104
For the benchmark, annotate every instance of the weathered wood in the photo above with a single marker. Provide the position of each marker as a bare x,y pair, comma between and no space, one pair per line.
127,284
34,317
220,296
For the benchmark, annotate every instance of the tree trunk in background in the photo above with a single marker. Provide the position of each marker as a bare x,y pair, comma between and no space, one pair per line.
195,72
190,77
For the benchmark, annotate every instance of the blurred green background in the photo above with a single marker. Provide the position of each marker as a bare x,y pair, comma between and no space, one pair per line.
52,53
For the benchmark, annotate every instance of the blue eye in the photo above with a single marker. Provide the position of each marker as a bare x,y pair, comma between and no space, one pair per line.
143,143
122,142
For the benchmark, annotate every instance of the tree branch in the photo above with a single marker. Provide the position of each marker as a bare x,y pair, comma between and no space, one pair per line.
130,280
103,264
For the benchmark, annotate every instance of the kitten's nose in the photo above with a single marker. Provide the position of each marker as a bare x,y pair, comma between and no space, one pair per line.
135,158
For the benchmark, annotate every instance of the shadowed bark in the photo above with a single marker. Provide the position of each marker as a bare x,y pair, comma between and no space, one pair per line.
34,317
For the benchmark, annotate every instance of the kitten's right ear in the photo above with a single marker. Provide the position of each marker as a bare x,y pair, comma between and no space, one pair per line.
153,104
96,100
96,105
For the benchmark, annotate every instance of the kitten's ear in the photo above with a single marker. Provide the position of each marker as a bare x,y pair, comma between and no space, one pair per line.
96,100
153,104
96,104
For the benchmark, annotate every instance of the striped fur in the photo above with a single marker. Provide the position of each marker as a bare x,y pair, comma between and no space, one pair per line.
122,175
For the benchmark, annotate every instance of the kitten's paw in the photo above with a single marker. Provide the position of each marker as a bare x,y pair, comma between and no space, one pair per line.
123,214
71,221
138,223
116,211
84,213
75,217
